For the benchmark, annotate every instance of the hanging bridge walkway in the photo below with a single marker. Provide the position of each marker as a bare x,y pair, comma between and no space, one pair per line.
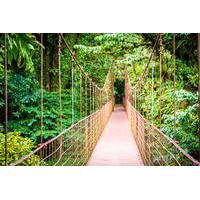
107,134
116,145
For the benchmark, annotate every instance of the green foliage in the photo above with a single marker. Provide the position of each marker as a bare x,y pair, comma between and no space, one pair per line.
24,102
21,48
116,49
187,126
186,101
17,147
27,120
96,53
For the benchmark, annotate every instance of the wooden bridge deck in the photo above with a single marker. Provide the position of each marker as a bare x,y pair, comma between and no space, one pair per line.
116,145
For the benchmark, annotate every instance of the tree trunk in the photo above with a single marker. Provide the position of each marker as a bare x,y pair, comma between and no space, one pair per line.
54,64
46,63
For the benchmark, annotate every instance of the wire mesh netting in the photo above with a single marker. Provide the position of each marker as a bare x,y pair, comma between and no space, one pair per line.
91,107
77,143
156,148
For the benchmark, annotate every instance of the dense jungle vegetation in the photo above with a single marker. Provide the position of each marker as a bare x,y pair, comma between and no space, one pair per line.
96,53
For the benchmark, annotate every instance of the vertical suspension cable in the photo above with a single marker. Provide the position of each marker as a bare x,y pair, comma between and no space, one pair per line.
90,96
148,153
97,97
90,121
100,97
113,89
41,90
60,90
152,110
199,91
160,99
152,91
80,125
79,149
86,120
147,97
80,95
72,77
6,97
174,52
86,96
140,92
93,100
93,117
139,98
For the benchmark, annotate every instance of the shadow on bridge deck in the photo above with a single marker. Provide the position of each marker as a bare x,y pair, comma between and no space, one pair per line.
116,145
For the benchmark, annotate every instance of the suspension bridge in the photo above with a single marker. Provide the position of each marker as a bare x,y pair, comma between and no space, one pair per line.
109,134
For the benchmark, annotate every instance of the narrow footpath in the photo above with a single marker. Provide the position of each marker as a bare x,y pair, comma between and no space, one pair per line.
116,146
